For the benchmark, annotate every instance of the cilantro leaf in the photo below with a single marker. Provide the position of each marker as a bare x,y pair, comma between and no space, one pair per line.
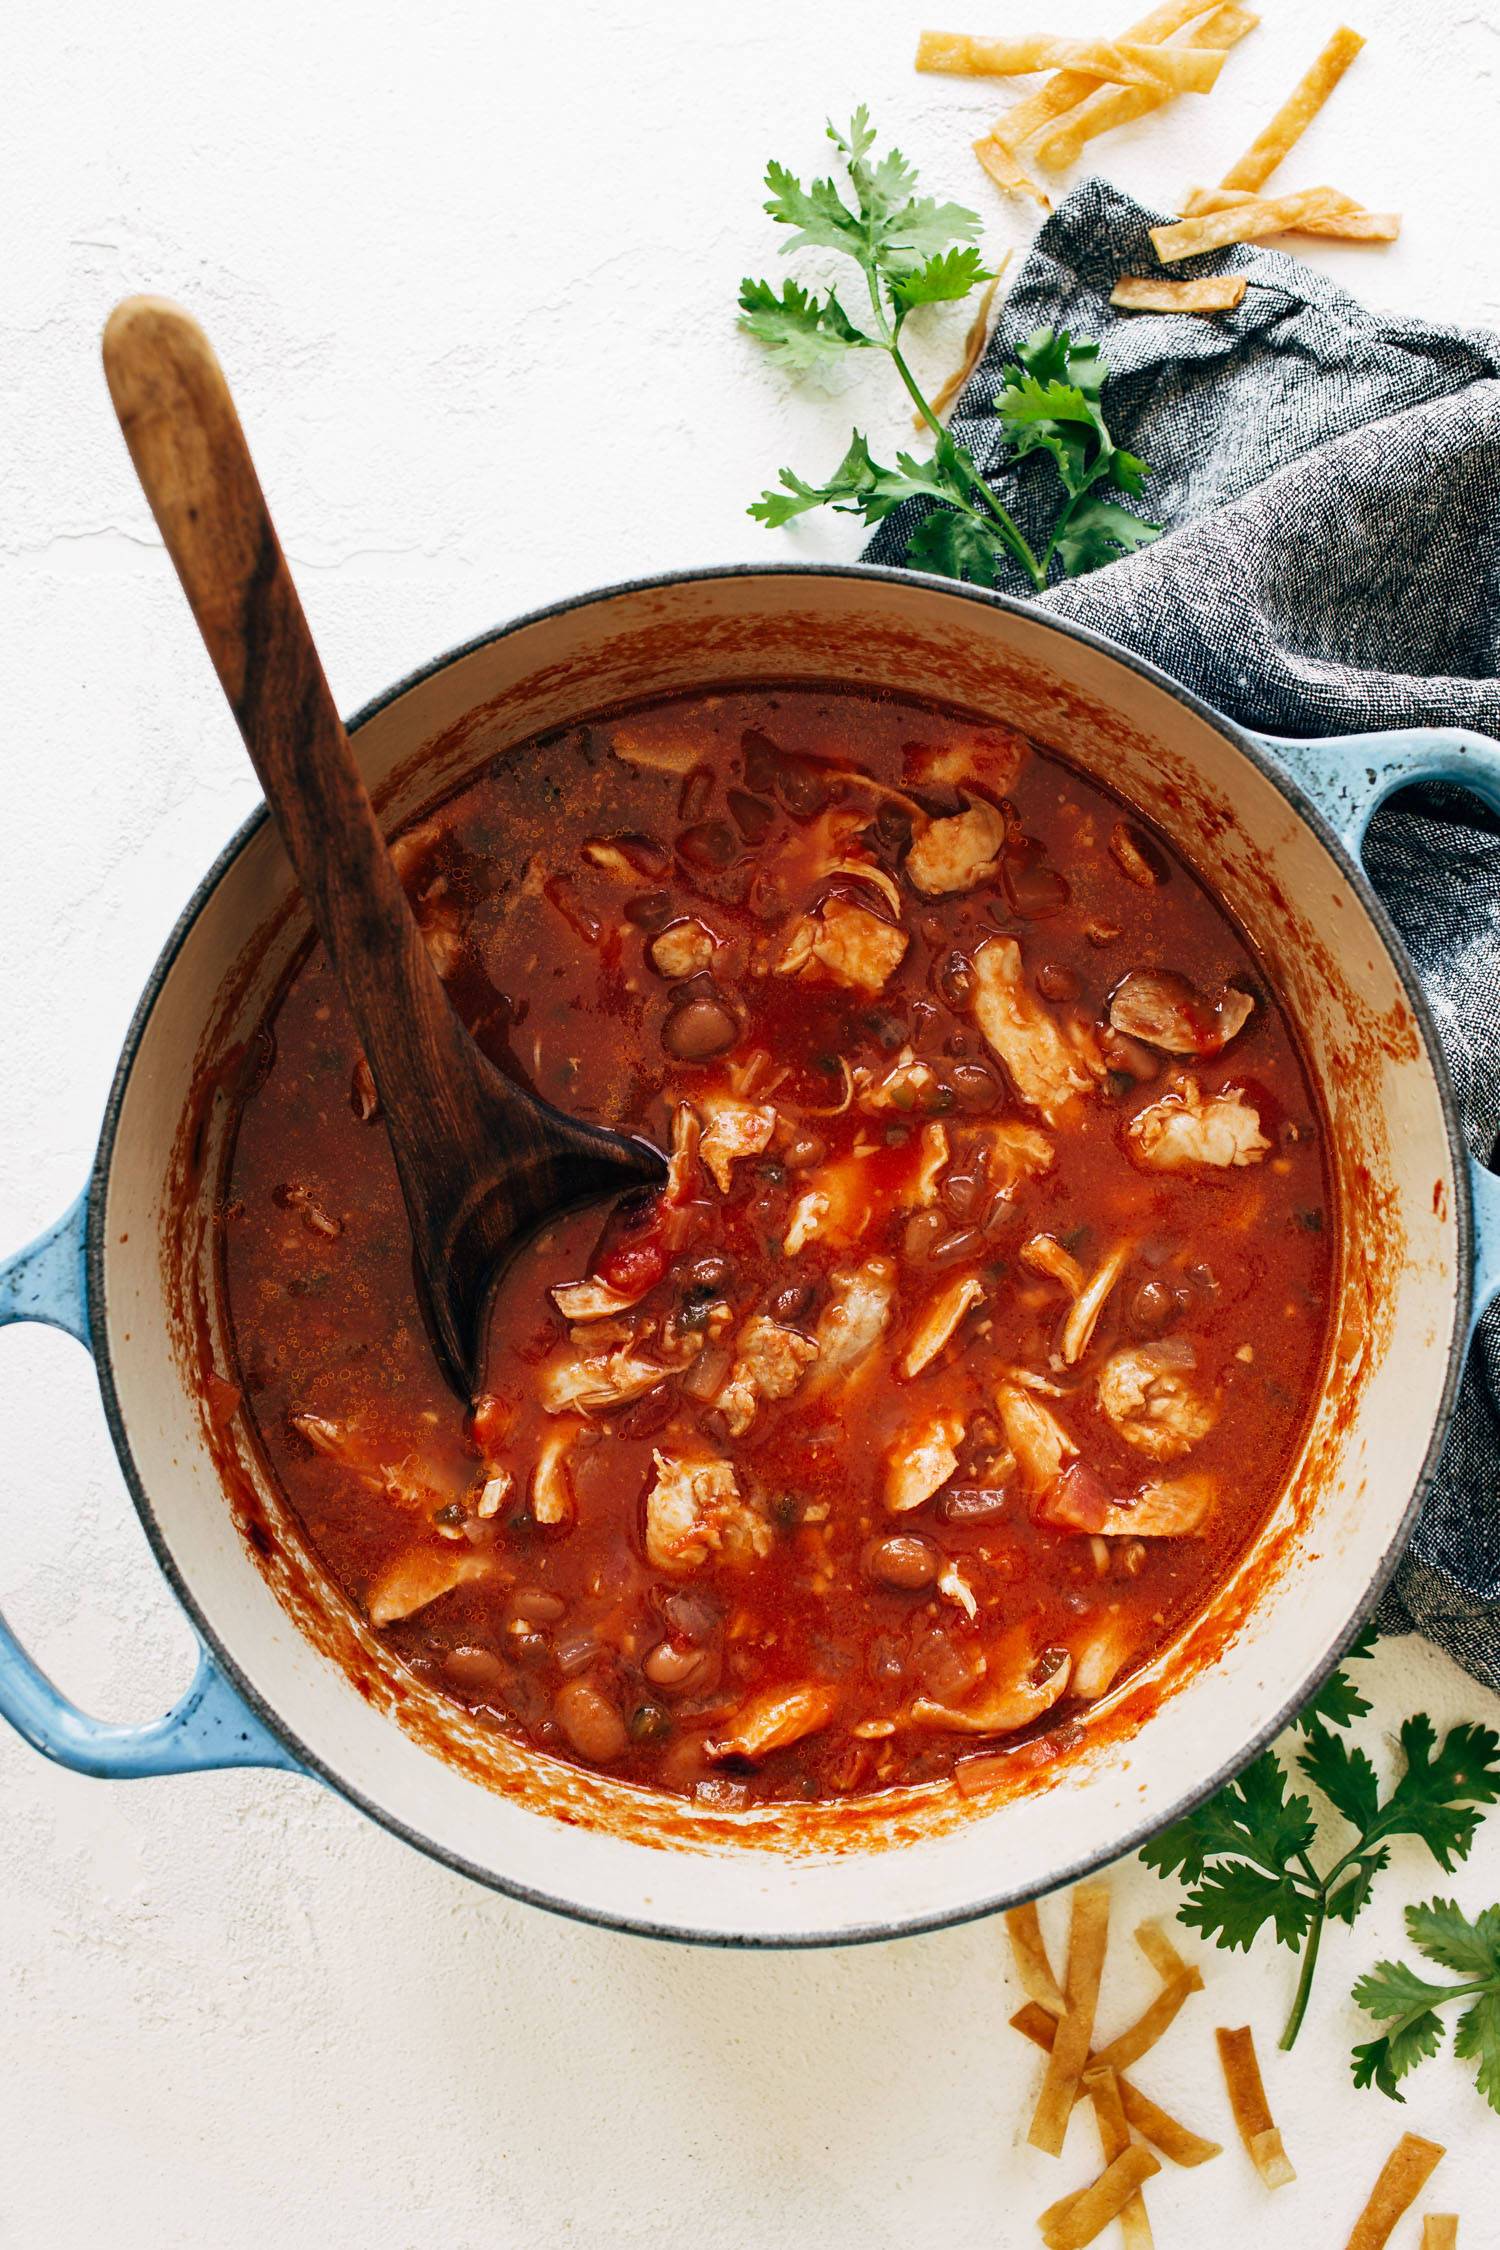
1344,1774
914,250
803,329
946,276
1234,1901
1438,1798
1338,1702
1099,530
1407,2003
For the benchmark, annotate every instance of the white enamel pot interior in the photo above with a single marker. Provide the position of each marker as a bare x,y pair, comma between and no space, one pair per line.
806,1875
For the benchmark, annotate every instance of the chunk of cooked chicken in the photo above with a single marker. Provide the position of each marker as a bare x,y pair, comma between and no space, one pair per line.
588,1383
1100,1653
682,1157
1050,1072
956,854
1003,1705
769,1362
922,1459
1148,1393
1013,1152
1168,1012
1041,1445
551,1488
1083,1319
939,1323
774,1718
416,1578
849,943
734,1131
694,1510
1187,1128
854,1318
907,1085
1165,1508
993,757
933,1157
1045,1254
682,949
834,1207
344,1441
593,1300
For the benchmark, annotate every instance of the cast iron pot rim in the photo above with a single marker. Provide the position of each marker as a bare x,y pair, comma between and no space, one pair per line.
914,1924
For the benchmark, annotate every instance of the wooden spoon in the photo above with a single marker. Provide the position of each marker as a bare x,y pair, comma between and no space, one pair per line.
480,1160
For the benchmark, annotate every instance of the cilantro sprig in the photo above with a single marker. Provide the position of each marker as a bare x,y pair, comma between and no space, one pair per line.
1246,1855
914,251
1407,2003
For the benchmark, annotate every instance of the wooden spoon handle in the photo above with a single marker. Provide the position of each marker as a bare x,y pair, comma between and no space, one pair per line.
189,450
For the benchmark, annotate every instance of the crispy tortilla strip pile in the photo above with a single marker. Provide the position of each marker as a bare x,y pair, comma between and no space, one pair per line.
1252,2113
1403,2176
1060,2019
1237,211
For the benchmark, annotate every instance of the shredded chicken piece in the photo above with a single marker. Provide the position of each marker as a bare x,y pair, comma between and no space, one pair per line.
1013,1152
923,1457
956,854
594,1384
1129,857
681,950
1165,1508
1100,1653
939,1323
854,946
683,1156
1041,1445
1004,1706
993,758
774,1718
637,745
1147,1392
954,1587
933,1156
416,1578
347,1444
907,1085
833,1207
551,1490
854,1319
1186,1128
694,1510
592,1300
1168,1012
770,1361
1049,1072
1045,1254
1078,1328
734,1131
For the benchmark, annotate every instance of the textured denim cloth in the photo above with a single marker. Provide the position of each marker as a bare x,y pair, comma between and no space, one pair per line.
1329,479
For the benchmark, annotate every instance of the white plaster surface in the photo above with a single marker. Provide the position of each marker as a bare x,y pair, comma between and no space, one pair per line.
471,268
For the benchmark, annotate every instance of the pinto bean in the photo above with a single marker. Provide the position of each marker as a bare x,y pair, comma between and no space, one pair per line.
474,1671
591,1722
698,1029
905,1561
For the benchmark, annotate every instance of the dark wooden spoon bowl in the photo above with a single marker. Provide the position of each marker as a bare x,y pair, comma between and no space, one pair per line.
481,1161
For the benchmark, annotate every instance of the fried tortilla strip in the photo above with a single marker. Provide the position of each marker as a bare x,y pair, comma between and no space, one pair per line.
1070,87
1088,1936
1010,177
1440,2230
1140,2037
1254,168
1028,1947
1175,2140
1137,292
1403,2176
1110,106
974,343
1346,220
1155,1941
1185,69
1074,2220
1103,2090
1252,2115
1277,214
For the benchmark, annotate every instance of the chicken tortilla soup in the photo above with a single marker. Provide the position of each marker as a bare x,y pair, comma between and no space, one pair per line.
971,1338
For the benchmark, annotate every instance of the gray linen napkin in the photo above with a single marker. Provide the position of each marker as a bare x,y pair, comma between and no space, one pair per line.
1328,477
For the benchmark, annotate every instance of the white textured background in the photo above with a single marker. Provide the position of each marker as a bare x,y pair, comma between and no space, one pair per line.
471,268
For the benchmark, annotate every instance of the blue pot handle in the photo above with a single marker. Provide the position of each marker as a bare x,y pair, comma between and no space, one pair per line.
1348,777
211,1726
